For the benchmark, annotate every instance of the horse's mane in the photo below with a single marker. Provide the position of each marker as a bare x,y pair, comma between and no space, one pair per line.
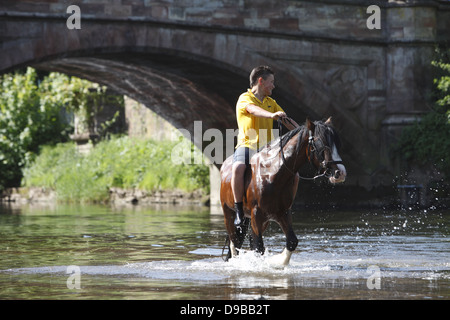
301,130
322,130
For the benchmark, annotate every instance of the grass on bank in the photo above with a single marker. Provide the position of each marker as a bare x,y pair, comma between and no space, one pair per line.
119,162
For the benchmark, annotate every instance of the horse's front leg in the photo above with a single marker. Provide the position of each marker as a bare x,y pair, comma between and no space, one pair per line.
258,225
283,258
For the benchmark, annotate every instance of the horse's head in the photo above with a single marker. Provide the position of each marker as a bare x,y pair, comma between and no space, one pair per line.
323,150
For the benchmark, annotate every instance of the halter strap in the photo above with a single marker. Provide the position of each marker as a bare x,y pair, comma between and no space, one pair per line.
311,145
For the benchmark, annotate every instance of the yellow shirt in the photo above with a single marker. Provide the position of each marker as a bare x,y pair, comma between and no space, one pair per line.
254,132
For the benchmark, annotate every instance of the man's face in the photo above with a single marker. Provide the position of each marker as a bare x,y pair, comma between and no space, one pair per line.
267,85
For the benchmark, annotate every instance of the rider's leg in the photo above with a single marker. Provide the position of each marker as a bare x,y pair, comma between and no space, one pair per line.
237,184
241,160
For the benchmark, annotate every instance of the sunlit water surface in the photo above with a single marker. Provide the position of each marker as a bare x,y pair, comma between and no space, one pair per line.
175,253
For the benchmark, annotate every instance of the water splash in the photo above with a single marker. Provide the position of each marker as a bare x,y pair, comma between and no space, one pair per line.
251,265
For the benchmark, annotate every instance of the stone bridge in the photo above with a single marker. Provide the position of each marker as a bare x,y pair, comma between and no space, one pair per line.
188,60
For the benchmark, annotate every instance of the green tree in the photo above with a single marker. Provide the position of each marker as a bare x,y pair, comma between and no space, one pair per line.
121,162
428,140
33,112
27,119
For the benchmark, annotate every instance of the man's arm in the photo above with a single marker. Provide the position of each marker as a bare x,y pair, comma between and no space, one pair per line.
259,112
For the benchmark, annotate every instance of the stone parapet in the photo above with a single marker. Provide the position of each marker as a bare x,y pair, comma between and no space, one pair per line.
400,20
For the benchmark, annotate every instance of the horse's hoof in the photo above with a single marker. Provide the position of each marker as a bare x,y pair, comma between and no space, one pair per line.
280,260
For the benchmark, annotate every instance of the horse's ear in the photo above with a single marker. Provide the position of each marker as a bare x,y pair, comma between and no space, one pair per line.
328,122
309,124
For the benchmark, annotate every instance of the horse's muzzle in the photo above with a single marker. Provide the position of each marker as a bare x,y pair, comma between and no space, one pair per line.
339,174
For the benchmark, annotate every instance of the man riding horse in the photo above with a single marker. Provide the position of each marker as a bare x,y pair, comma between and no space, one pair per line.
255,112
266,191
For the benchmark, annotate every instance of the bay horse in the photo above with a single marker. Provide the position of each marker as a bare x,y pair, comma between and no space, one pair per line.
271,182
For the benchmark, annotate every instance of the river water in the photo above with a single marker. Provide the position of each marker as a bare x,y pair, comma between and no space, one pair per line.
169,252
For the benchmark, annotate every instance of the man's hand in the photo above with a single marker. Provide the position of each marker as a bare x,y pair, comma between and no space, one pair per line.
278,114
259,112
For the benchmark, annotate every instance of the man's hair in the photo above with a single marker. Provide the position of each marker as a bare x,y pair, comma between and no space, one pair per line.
261,71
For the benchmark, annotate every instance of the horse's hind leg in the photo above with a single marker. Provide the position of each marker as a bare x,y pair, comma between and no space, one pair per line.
235,234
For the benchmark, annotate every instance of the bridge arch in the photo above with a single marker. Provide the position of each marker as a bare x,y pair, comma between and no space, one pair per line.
181,88
185,74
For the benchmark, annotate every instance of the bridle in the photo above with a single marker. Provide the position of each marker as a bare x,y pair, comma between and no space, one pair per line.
315,147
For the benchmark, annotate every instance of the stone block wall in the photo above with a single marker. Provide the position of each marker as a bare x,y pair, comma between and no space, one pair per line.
143,122
326,18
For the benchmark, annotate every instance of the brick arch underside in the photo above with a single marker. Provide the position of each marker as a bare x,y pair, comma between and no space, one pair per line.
181,89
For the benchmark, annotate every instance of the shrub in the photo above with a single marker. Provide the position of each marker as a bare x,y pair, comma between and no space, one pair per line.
120,162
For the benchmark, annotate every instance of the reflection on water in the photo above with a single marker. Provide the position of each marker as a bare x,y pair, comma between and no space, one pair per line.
175,253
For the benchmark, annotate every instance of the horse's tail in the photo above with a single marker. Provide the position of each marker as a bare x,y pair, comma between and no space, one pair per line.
226,256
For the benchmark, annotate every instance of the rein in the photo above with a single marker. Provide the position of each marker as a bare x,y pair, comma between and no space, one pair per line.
312,148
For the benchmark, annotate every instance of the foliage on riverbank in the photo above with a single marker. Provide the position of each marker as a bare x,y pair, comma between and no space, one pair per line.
29,117
428,140
37,109
121,162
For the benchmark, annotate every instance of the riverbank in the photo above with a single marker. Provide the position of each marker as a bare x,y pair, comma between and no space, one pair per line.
120,169
117,196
